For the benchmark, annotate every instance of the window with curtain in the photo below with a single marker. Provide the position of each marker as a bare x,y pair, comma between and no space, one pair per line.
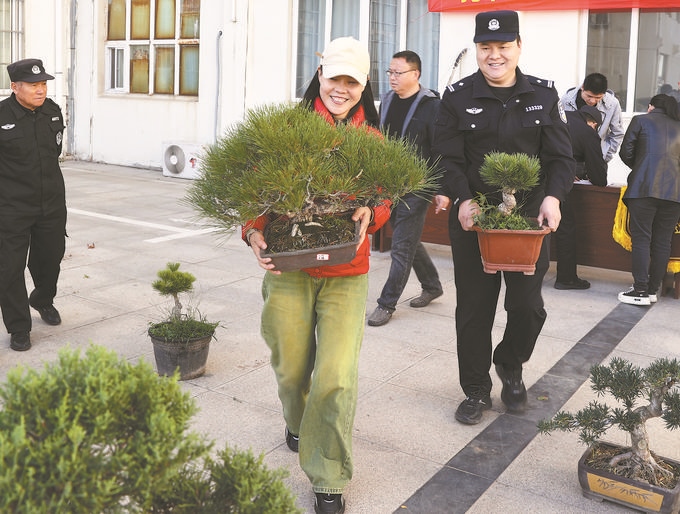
152,46
387,26
657,48
11,38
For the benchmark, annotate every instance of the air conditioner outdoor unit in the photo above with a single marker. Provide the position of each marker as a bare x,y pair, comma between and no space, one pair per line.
181,160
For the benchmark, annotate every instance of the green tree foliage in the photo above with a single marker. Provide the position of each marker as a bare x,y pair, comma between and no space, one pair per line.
510,173
96,434
290,161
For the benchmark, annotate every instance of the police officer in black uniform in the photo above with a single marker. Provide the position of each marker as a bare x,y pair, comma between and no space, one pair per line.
32,200
498,109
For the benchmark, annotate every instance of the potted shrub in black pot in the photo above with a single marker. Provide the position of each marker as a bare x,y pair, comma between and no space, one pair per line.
308,176
634,476
508,241
183,339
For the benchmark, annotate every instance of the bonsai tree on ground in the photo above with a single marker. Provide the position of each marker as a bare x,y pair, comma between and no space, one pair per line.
181,325
289,162
628,384
511,173
96,433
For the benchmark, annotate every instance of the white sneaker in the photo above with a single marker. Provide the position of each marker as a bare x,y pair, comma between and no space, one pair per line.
652,298
633,297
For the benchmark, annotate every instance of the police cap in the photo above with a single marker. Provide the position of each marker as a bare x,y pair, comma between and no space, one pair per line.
496,26
28,70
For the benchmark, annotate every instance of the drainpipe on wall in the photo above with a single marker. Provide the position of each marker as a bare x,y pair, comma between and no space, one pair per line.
218,85
70,102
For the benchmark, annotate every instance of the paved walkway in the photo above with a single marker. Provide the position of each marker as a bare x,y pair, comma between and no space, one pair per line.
410,454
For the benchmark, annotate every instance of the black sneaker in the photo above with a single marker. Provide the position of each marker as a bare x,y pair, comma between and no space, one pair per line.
292,440
329,504
20,341
379,317
469,412
577,283
633,297
425,298
514,394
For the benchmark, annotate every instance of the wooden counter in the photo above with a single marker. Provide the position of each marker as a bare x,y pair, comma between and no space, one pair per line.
594,210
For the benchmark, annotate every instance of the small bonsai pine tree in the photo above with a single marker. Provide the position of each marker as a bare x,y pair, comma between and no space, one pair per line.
511,173
172,282
182,325
628,384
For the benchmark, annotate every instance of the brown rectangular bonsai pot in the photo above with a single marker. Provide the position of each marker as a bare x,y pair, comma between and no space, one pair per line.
599,484
316,257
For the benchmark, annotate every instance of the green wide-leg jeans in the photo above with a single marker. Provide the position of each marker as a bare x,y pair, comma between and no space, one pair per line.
314,328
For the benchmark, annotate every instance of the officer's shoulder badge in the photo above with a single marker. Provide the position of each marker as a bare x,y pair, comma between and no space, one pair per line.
459,85
560,109
536,81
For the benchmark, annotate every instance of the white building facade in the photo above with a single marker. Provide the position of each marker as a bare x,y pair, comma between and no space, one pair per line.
133,76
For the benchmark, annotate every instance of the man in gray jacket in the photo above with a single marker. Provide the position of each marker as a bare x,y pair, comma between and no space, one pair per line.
594,92
408,111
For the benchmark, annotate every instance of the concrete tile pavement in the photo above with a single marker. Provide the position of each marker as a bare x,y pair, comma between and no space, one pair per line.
125,224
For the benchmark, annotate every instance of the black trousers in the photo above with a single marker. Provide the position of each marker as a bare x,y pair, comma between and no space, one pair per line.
41,238
565,243
477,295
652,223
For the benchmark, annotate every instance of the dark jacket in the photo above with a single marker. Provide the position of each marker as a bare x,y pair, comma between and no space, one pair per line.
30,144
419,122
587,150
651,148
472,122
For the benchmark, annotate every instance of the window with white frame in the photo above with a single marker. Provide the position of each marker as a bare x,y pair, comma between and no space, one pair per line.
11,38
152,47
388,26
638,51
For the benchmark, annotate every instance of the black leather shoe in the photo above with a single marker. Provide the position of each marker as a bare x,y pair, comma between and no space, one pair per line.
329,504
49,314
20,341
514,394
292,441
577,283
470,411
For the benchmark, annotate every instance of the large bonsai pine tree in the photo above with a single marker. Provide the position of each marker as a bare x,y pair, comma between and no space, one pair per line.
628,384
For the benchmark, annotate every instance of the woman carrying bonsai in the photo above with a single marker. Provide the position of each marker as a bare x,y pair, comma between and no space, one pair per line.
651,148
313,319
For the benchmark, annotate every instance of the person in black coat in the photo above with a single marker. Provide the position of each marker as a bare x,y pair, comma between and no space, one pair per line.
32,200
651,148
590,165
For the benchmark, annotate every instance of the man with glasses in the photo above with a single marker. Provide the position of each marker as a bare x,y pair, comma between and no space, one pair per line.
594,92
408,111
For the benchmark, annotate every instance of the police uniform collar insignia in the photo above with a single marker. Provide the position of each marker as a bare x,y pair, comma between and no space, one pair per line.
493,24
474,110
9,126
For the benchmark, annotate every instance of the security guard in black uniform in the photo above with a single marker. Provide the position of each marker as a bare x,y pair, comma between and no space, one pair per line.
498,109
32,200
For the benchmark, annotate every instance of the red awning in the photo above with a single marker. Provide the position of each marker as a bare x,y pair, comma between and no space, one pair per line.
547,5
